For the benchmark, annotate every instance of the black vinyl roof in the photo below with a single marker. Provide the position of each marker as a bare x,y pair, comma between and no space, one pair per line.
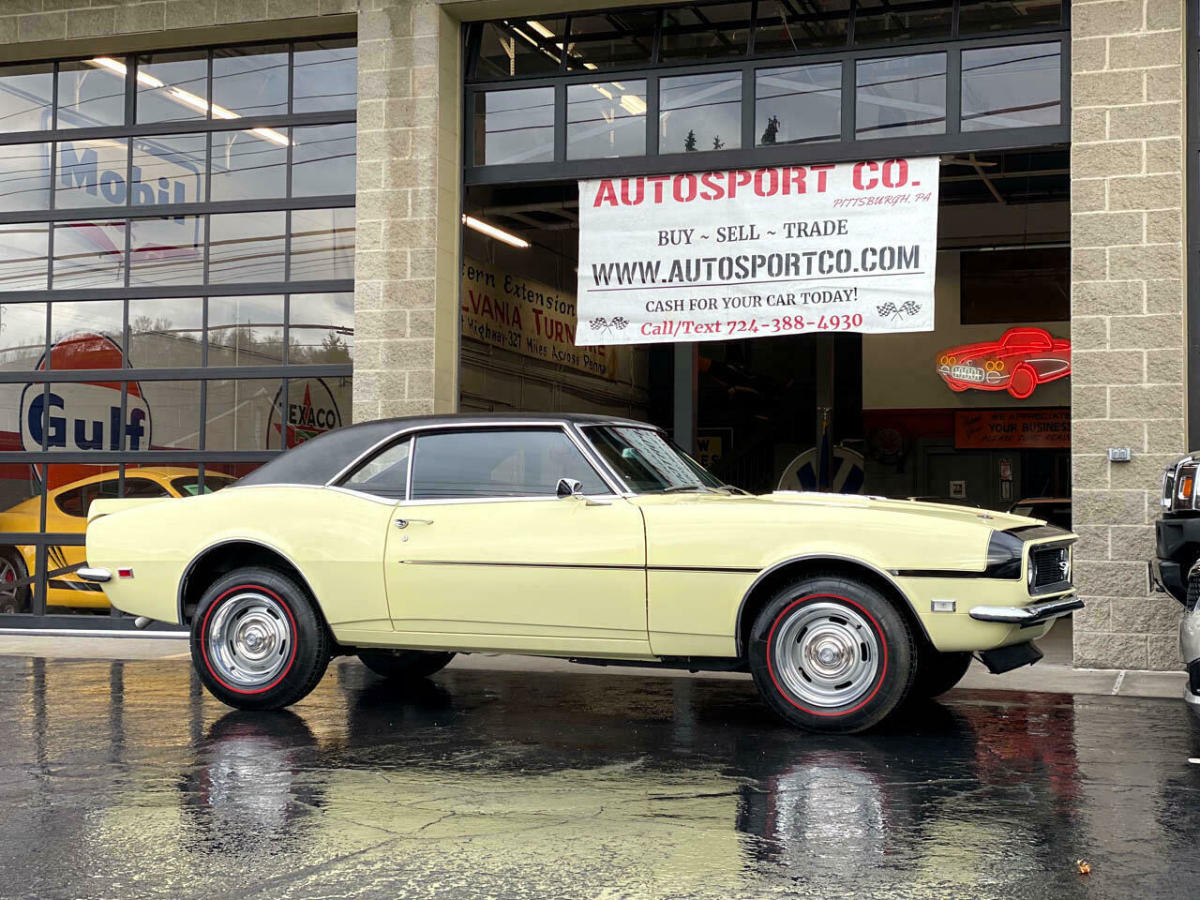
320,459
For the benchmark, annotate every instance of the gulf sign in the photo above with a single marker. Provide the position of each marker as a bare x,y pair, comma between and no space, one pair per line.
84,415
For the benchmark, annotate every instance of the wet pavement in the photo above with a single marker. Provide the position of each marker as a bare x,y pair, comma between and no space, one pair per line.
123,779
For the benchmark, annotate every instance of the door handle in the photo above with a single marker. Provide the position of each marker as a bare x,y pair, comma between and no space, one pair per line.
404,523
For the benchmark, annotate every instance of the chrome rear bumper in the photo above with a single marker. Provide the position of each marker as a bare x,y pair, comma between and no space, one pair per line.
92,573
1033,614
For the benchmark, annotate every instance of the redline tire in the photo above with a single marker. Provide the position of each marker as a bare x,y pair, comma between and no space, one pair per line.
404,665
831,654
1023,381
937,672
257,640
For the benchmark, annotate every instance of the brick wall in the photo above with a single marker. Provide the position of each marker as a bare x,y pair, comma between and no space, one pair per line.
1127,303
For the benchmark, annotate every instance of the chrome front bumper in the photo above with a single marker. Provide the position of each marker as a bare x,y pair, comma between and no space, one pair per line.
1033,614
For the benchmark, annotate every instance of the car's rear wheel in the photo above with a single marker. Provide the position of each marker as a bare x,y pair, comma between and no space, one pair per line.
404,665
938,672
14,597
831,654
258,641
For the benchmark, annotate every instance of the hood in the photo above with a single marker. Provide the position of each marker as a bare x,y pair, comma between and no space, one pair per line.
944,512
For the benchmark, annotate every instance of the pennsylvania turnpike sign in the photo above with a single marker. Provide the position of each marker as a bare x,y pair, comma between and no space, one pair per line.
758,252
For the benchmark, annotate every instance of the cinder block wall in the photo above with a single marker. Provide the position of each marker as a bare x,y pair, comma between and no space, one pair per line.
1127,308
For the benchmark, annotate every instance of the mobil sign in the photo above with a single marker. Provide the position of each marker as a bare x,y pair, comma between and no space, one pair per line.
84,415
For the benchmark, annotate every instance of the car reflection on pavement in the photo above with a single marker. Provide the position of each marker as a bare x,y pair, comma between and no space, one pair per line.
482,783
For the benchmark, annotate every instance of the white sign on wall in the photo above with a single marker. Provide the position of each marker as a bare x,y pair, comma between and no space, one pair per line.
758,252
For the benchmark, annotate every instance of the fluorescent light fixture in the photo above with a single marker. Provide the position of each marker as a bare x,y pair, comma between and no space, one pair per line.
590,65
493,232
539,28
634,105
187,98
607,93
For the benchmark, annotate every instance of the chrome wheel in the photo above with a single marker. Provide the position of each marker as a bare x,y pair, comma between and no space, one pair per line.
826,654
249,639
8,590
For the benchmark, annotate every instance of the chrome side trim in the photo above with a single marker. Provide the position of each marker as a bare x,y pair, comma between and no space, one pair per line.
375,498
93,573
187,571
95,632
817,557
1027,615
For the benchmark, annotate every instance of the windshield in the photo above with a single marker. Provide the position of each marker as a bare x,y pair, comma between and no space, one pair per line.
648,462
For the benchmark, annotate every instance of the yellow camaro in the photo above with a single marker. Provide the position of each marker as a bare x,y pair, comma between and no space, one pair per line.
66,512
584,537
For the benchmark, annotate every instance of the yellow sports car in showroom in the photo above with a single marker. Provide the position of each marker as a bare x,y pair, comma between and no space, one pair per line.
66,512
584,537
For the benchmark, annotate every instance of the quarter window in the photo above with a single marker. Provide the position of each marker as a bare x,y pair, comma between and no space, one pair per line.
498,463
385,474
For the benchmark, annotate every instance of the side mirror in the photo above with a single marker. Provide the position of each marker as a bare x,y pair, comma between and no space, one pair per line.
568,487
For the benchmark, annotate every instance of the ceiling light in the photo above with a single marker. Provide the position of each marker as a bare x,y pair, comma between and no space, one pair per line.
270,134
590,65
603,90
540,28
634,105
493,232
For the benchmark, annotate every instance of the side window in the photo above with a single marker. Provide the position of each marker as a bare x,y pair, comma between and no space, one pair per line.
143,487
492,462
384,474
73,502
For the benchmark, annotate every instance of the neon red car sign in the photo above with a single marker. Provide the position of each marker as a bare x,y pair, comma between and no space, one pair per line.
1022,359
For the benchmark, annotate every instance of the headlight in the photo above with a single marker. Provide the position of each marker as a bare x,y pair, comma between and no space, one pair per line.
1004,555
1179,489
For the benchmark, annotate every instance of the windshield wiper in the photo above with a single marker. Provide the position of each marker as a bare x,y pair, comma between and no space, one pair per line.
679,488
734,489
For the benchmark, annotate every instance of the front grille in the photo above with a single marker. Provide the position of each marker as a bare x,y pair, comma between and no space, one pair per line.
1193,591
1051,566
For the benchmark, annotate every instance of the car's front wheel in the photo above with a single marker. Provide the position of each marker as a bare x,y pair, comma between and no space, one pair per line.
831,654
14,596
258,641
404,665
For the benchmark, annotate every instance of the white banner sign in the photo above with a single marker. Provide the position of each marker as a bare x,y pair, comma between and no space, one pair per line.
758,252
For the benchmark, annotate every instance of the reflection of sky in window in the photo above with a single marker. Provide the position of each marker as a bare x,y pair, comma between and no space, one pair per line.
325,76
167,251
323,160
104,317
245,331
24,177
89,254
22,333
251,81
322,244
161,77
320,328
1011,87
245,167
804,101
518,126
707,106
901,95
246,247
23,257
89,96
25,98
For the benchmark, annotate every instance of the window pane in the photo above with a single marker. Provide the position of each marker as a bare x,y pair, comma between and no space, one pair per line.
241,414
86,334
323,160
172,415
322,244
24,177
91,93
514,126
246,247
798,104
496,463
314,406
618,37
89,254
517,47
1011,87
250,81
700,112
325,76
1007,15
246,166
165,334
23,251
245,331
385,475
91,173
784,27
900,20
167,250
901,95
168,169
172,86
705,32
22,335
605,120
26,97
320,328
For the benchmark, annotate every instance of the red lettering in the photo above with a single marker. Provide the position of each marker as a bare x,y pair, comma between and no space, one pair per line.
895,173
737,179
822,176
684,188
640,184
605,194
771,186
657,181
794,179
868,184
713,189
